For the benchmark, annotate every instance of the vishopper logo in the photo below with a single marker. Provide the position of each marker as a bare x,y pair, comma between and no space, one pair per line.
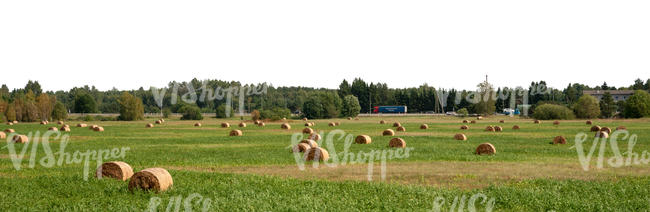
59,158
474,97
192,95
462,203
175,202
348,157
618,159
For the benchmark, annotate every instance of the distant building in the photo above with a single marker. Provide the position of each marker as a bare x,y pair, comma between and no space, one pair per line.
618,95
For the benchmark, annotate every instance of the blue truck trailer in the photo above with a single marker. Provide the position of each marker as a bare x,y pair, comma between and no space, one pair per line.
389,109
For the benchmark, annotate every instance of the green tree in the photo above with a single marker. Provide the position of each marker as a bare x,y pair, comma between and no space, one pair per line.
312,108
487,103
221,112
10,112
332,104
191,112
607,106
84,103
638,105
59,112
587,107
351,107
131,107
463,112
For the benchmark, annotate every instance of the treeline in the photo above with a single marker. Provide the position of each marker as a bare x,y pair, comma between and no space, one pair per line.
32,103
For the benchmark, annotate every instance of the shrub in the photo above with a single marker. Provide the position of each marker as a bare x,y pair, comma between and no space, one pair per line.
59,112
275,113
551,111
166,112
351,107
255,115
130,107
587,107
638,105
221,112
88,118
463,112
191,112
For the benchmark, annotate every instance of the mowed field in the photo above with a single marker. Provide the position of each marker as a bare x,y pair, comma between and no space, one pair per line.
257,172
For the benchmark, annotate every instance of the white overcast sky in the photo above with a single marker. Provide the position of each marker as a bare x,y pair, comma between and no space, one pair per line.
129,44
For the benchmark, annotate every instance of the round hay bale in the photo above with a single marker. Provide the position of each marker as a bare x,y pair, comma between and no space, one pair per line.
235,133
99,129
465,121
317,153
285,126
314,136
331,124
382,122
59,122
621,128
242,124
559,140
401,129
157,179
65,125
300,147
489,128
485,149
464,127
92,127
10,123
397,143
52,129
537,121
396,124
311,143
15,122
337,123
261,124
556,122
284,119
349,118
516,127
115,169
479,117
162,120
502,121
308,124
158,122
460,137
43,123
388,132
606,129
225,125
20,139
197,124
65,129
356,118
82,125
149,125
304,119
362,139
602,134
588,122
424,126
307,130
3,135
472,122
498,129
595,128
9,130
256,122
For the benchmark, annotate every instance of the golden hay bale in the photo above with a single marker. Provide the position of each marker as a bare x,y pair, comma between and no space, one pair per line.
197,124
606,129
115,169
308,124
311,143
242,124
225,125
9,130
588,122
349,118
401,129
43,123
498,129
485,149
556,123
285,126
59,122
15,122
479,117
3,135
388,132
65,129
464,127
472,122
502,121
162,120
99,129
304,119
236,133
20,139
424,126
157,179
465,121
284,119
158,122
331,124
256,122
602,134
149,125
460,137
52,129
65,125
621,128
10,123
362,139
356,118
300,147
307,130
489,128
314,136
516,127
261,124
595,128
82,125
397,142
559,140
92,127
317,153
537,122
396,124
382,122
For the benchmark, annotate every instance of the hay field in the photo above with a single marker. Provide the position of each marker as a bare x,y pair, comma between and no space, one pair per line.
257,172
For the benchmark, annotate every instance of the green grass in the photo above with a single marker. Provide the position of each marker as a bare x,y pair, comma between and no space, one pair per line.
194,156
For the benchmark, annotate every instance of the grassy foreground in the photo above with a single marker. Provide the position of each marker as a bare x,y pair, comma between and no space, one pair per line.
256,172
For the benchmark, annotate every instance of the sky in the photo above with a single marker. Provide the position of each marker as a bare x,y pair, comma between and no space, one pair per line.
448,44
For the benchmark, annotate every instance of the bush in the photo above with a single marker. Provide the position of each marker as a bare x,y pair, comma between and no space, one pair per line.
221,112
351,107
166,112
191,112
587,107
551,111
88,118
131,107
59,112
275,113
255,115
638,105
462,112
